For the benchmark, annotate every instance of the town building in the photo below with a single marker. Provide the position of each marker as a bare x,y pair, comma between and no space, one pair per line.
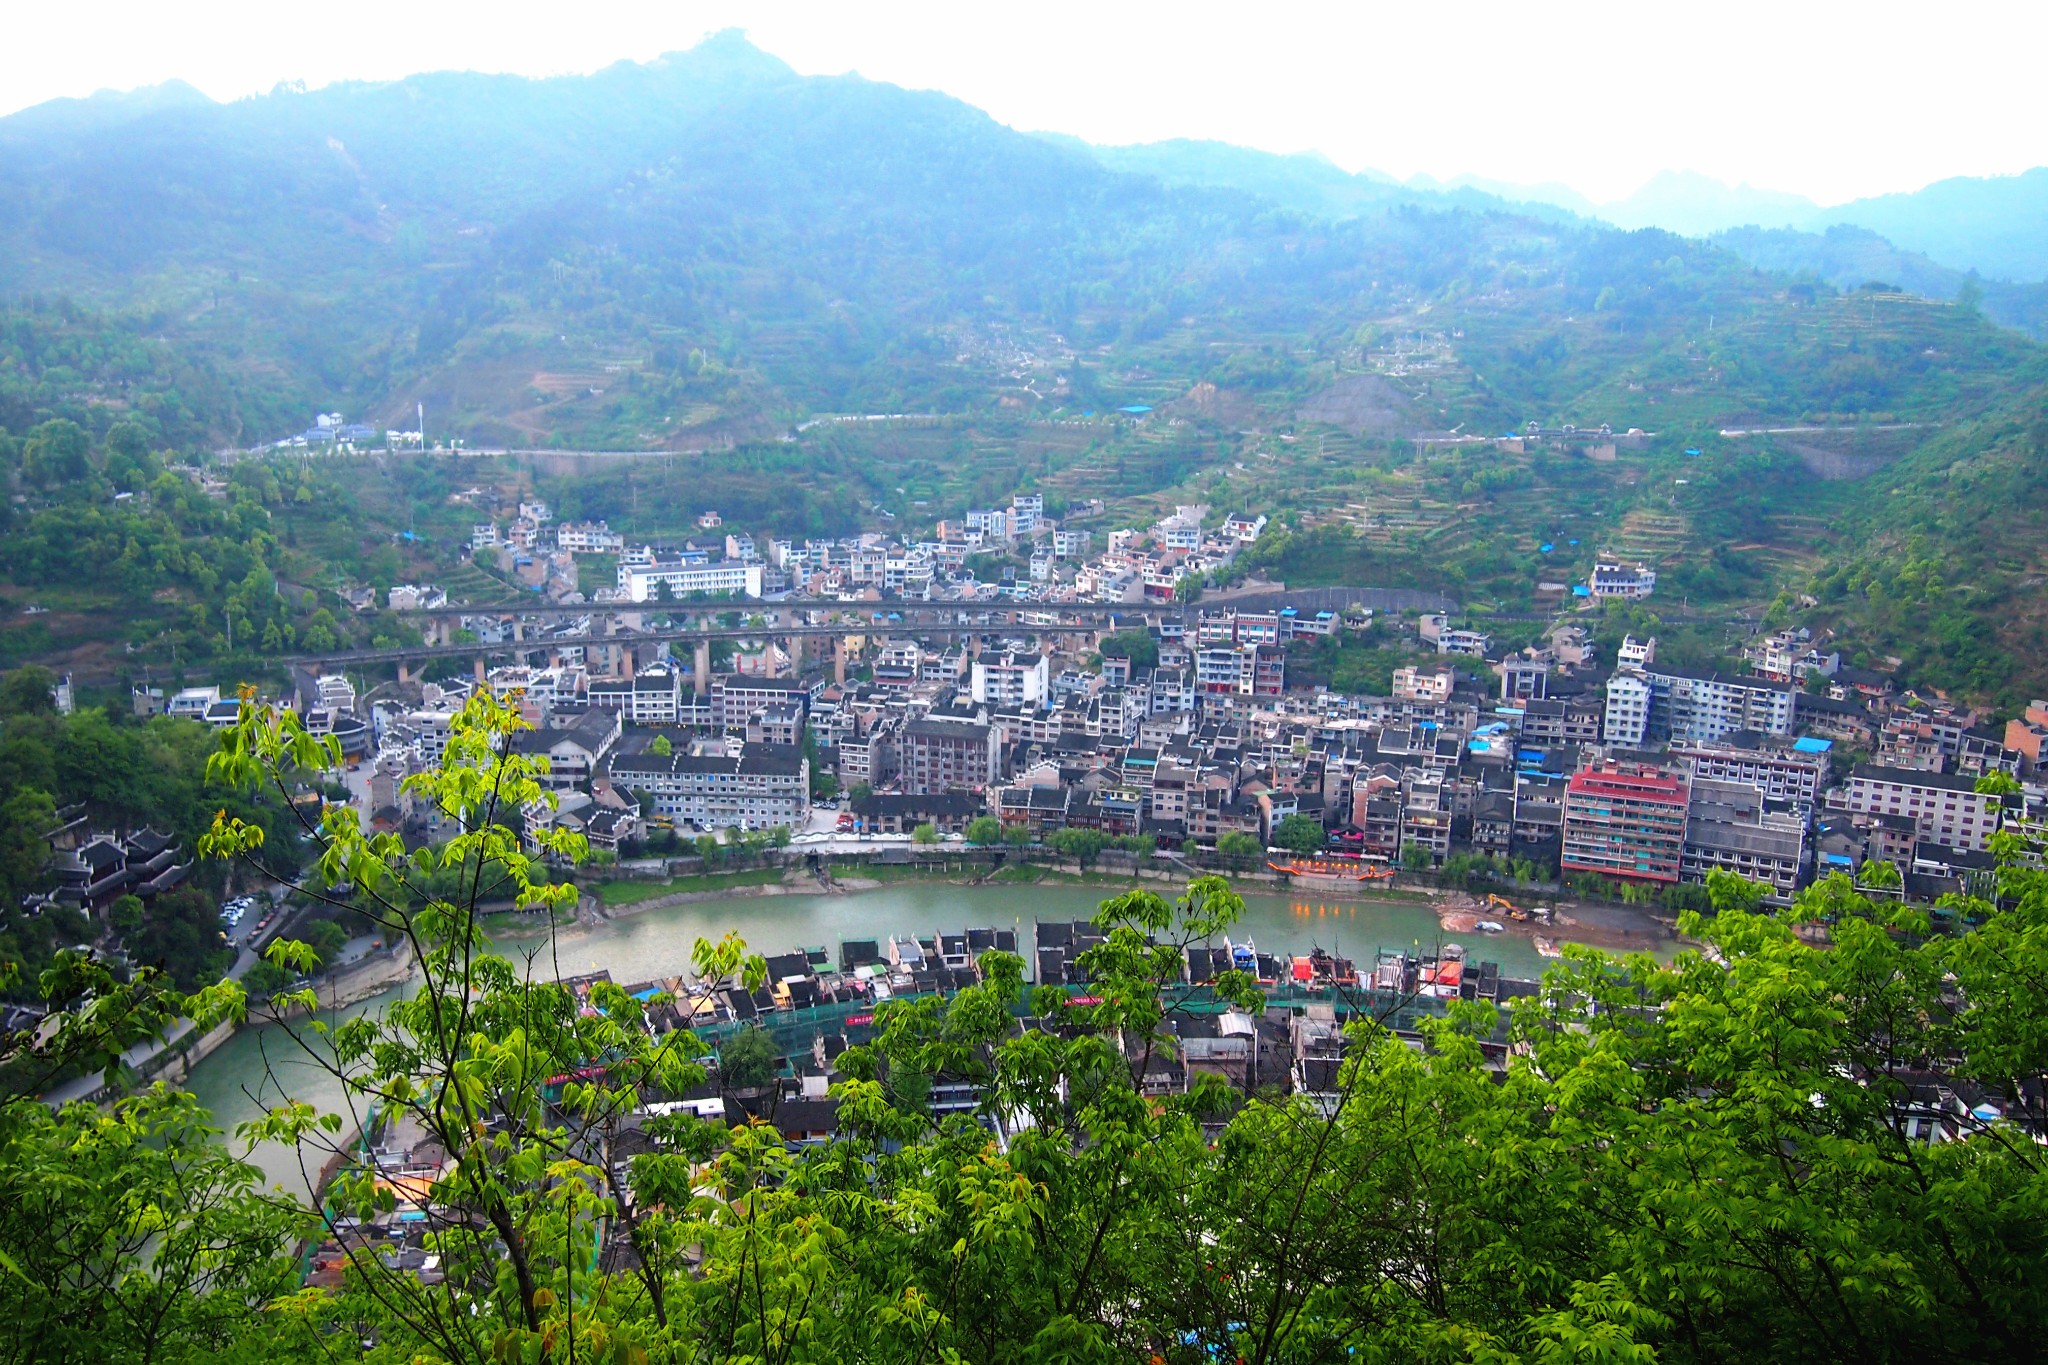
714,786
940,755
1944,808
1011,679
649,582
1625,820
1792,771
1629,582
1729,828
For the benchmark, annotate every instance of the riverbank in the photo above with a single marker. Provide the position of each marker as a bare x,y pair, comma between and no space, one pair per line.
1617,928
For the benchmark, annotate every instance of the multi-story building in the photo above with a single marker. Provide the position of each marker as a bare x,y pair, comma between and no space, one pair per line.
1630,582
1728,828
754,786
1658,703
1711,706
1524,679
1634,653
1792,771
647,582
1626,723
1563,720
948,755
574,750
1011,680
1241,670
734,698
1944,808
655,697
588,538
1431,686
1625,820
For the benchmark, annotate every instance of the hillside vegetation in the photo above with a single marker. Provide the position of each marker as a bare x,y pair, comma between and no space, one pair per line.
701,254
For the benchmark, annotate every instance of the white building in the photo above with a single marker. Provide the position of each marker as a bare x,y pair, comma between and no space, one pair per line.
655,697
1011,680
1635,653
191,702
1070,544
415,597
645,582
1630,582
1627,722
1944,808
589,538
756,786
1432,686
1243,528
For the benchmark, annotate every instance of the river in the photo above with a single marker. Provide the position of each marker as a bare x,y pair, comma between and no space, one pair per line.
244,1076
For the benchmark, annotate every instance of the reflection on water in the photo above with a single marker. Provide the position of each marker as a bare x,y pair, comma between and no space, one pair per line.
253,1070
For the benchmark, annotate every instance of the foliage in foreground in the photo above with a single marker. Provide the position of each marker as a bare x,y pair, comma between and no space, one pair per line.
1701,1160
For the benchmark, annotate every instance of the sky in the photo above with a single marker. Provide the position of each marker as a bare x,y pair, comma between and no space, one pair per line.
1831,100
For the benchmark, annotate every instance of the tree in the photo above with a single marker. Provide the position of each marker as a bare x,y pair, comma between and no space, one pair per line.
1136,645
181,934
326,939
1415,858
984,830
661,748
1698,1160
1301,833
926,833
1082,845
1017,836
1238,849
748,1059
56,453
1997,782
28,691
26,816
476,1039
125,915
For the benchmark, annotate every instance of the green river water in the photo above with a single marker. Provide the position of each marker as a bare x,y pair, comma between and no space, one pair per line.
244,1076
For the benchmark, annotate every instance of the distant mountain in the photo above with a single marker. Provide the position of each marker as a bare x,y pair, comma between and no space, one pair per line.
1994,225
1695,205
710,235
1853,257
701,252
105,109
1306,182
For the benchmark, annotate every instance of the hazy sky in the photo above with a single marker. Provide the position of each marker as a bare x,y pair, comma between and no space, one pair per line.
1832,100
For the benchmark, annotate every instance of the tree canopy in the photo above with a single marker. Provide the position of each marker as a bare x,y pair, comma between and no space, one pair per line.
1728,1156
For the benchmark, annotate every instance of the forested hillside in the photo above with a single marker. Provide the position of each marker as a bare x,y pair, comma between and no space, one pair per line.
701,253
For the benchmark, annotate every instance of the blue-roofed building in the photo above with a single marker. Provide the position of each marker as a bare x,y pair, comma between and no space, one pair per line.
1136,409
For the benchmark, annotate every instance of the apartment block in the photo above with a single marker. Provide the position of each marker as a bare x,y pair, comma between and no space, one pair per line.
1625,820
1944,808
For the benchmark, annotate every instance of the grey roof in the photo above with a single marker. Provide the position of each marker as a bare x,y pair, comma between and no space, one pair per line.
1914,777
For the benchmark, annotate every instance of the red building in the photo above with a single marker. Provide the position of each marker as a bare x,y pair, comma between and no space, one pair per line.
1625,820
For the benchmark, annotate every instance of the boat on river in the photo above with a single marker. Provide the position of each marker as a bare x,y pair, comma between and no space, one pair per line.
1335,867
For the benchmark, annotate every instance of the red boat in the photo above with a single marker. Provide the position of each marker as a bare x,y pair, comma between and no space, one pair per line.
1334,869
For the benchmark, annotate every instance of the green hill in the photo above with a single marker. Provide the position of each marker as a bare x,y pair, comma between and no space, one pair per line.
701,253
